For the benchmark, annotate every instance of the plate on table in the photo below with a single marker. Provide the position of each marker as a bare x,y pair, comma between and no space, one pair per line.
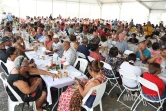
74,74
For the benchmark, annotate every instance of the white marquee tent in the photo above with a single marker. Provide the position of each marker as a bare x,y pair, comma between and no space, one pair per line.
139,10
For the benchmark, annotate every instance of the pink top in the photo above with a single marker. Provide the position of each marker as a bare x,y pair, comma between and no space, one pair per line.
154,52
96,56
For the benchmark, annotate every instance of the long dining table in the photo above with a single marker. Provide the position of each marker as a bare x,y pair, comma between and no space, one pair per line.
50,82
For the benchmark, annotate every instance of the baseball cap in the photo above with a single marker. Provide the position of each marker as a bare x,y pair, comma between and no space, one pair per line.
4,39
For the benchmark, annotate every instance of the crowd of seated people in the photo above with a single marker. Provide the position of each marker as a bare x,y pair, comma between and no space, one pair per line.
66,37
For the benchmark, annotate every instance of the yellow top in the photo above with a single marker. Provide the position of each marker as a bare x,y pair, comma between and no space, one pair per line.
148,30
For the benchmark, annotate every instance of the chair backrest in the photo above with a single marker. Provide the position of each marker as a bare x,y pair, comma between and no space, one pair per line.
113,42
127,52
83,64
91,58
4,68
79,54
107,66
100,89
3,77
148,84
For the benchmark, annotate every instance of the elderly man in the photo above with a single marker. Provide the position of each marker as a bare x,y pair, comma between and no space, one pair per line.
39,33
56,46
162,42
69,54
82,48
96,39
3,55
42,39
121,44
142,52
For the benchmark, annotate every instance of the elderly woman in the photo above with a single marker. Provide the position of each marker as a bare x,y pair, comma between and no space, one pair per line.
95,52
19,80
70,100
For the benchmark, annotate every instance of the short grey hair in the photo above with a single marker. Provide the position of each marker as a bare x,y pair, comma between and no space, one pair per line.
19,61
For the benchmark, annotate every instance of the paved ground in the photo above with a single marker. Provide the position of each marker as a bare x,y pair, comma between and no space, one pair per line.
109,102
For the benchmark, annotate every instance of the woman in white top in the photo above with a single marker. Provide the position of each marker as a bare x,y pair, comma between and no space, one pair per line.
73,40
12,54
131,68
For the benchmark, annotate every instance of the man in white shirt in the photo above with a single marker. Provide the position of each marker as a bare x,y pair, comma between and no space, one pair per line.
56,46
69,54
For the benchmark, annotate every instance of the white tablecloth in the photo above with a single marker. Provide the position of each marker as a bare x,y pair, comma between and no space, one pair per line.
57,83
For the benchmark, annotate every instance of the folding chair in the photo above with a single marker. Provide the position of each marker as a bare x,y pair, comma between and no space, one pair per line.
127,75
12,104
83,64
4,68
100,89
108,67
79,54
153,87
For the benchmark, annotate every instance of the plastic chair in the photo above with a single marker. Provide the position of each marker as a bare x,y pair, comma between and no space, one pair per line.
153,87
91,58
12,104
128,75
107,66
4,68
79,54
100,89
83,64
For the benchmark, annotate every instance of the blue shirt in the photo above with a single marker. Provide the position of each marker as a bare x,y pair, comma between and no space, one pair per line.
9,17
42,39
146,53
38,36
83,49
122,46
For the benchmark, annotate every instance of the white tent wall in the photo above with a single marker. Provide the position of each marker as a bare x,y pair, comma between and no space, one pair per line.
127,12
83,9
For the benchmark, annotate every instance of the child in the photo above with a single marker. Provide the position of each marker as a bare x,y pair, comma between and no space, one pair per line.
154,70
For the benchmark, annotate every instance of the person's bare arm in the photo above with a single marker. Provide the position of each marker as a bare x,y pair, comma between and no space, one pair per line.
22,49
36,71
25,88
143,58
152,60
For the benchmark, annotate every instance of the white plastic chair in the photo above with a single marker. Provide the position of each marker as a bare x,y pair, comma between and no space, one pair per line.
91,58
153,87
114,78
2,66
128,75
127,52
113,43
83,64
79,54
12,104
100,89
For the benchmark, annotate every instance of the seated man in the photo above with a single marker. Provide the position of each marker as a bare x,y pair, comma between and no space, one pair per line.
154,70
69,54
96,39
82,48
7,42
121,44
3,55
56,46
142,52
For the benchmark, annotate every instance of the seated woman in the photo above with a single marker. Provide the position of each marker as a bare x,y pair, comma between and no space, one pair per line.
70,100
155,49
19,80
73,40
133,40
48,42
114,36
130,67
18,41
160,58
114,61
154,70
95,52
12,54
103,43
148,42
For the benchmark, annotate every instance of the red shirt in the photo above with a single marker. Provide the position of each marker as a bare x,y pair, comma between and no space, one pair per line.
101,32
96,56
156,80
